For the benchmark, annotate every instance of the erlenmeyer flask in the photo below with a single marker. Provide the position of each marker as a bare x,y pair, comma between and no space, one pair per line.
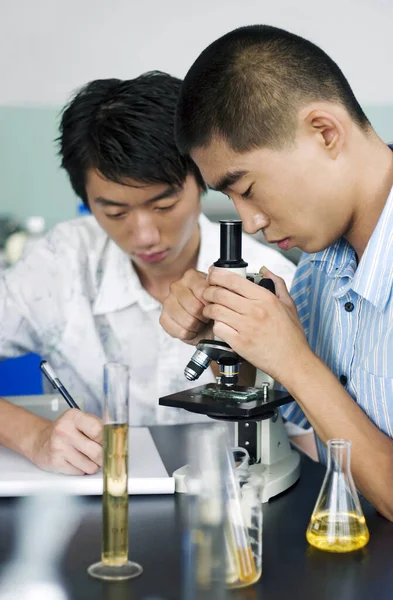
337,523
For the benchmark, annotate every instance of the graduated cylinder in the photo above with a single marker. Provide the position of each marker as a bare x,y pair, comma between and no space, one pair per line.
114,563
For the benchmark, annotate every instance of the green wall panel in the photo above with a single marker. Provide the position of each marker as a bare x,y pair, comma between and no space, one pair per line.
32,183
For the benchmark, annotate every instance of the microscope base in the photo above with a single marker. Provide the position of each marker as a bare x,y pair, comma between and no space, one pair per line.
277,477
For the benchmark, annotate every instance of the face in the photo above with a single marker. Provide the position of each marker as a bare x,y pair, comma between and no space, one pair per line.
299,196
151,223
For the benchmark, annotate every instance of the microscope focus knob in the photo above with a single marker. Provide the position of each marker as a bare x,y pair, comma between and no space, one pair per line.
268,284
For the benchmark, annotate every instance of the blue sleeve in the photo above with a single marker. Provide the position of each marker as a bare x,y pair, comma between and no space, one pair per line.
300,295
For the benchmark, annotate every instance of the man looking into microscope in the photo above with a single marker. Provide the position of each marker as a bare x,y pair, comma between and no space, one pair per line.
271,120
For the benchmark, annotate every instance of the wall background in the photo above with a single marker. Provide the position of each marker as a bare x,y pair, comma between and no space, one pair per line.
48,48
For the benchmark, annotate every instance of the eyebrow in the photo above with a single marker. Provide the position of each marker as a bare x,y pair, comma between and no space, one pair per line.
169,191
227,180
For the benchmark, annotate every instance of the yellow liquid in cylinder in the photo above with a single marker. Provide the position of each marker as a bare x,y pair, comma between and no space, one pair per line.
115,499
347,532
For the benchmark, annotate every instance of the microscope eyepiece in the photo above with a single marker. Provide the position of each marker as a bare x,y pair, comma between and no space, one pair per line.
230,245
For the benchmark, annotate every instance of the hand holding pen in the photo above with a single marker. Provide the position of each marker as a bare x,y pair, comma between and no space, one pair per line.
71,444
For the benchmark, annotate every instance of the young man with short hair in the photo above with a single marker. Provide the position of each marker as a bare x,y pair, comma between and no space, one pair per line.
271,120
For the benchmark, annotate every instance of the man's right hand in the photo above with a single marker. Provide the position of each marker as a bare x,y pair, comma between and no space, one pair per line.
182,314
72,444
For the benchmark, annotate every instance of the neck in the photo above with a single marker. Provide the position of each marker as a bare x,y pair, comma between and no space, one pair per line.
374,173
157,281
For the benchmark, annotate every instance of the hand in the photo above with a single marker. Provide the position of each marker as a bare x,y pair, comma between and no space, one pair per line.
72,444
261,327
182,314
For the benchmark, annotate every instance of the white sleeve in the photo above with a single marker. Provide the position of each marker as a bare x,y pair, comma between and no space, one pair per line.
31,297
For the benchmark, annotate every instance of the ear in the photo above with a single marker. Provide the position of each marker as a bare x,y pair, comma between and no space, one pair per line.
329,130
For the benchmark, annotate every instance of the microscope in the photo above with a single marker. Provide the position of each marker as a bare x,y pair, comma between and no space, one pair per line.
255,410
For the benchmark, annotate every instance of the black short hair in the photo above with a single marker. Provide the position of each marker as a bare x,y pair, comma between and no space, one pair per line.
125,130
248,86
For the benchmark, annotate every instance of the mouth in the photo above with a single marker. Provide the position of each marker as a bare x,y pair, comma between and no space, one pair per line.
153,257
283,244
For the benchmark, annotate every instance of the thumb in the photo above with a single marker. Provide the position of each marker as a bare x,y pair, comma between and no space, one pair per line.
281,288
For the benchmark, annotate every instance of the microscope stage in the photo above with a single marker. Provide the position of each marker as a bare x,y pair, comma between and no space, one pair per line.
206,400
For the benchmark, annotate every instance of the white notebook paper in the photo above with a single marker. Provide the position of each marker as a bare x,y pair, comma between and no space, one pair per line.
147,474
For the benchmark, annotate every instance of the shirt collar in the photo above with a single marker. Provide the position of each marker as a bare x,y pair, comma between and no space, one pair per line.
373,277
337,261
118,284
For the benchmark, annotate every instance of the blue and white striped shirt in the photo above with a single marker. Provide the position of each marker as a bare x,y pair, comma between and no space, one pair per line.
347,313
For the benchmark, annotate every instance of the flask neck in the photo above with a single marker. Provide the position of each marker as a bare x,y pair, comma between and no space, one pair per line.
339,456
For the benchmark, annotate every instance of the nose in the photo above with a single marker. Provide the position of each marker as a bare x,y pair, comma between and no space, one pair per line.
253,219
145,233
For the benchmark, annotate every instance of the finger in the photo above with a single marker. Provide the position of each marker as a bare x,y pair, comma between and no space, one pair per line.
280,285
69,469
185,320
193,280
80,461
175,330
90,425
217,312
198,284
219,295
192,304
235,283
90,449
228,334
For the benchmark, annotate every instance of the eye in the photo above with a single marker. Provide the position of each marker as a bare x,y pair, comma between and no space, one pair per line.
247,193
165,208
116,215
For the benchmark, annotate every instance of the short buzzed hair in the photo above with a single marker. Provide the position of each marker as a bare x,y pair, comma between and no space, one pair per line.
248,86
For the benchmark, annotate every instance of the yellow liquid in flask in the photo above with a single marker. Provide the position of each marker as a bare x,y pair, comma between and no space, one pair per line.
343,533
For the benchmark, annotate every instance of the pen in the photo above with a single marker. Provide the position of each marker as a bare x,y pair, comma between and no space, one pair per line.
55,381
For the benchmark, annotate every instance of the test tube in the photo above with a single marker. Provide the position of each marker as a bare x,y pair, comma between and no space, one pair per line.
114,564
238,547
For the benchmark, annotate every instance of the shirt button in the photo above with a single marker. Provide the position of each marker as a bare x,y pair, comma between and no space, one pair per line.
343,379
349,306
